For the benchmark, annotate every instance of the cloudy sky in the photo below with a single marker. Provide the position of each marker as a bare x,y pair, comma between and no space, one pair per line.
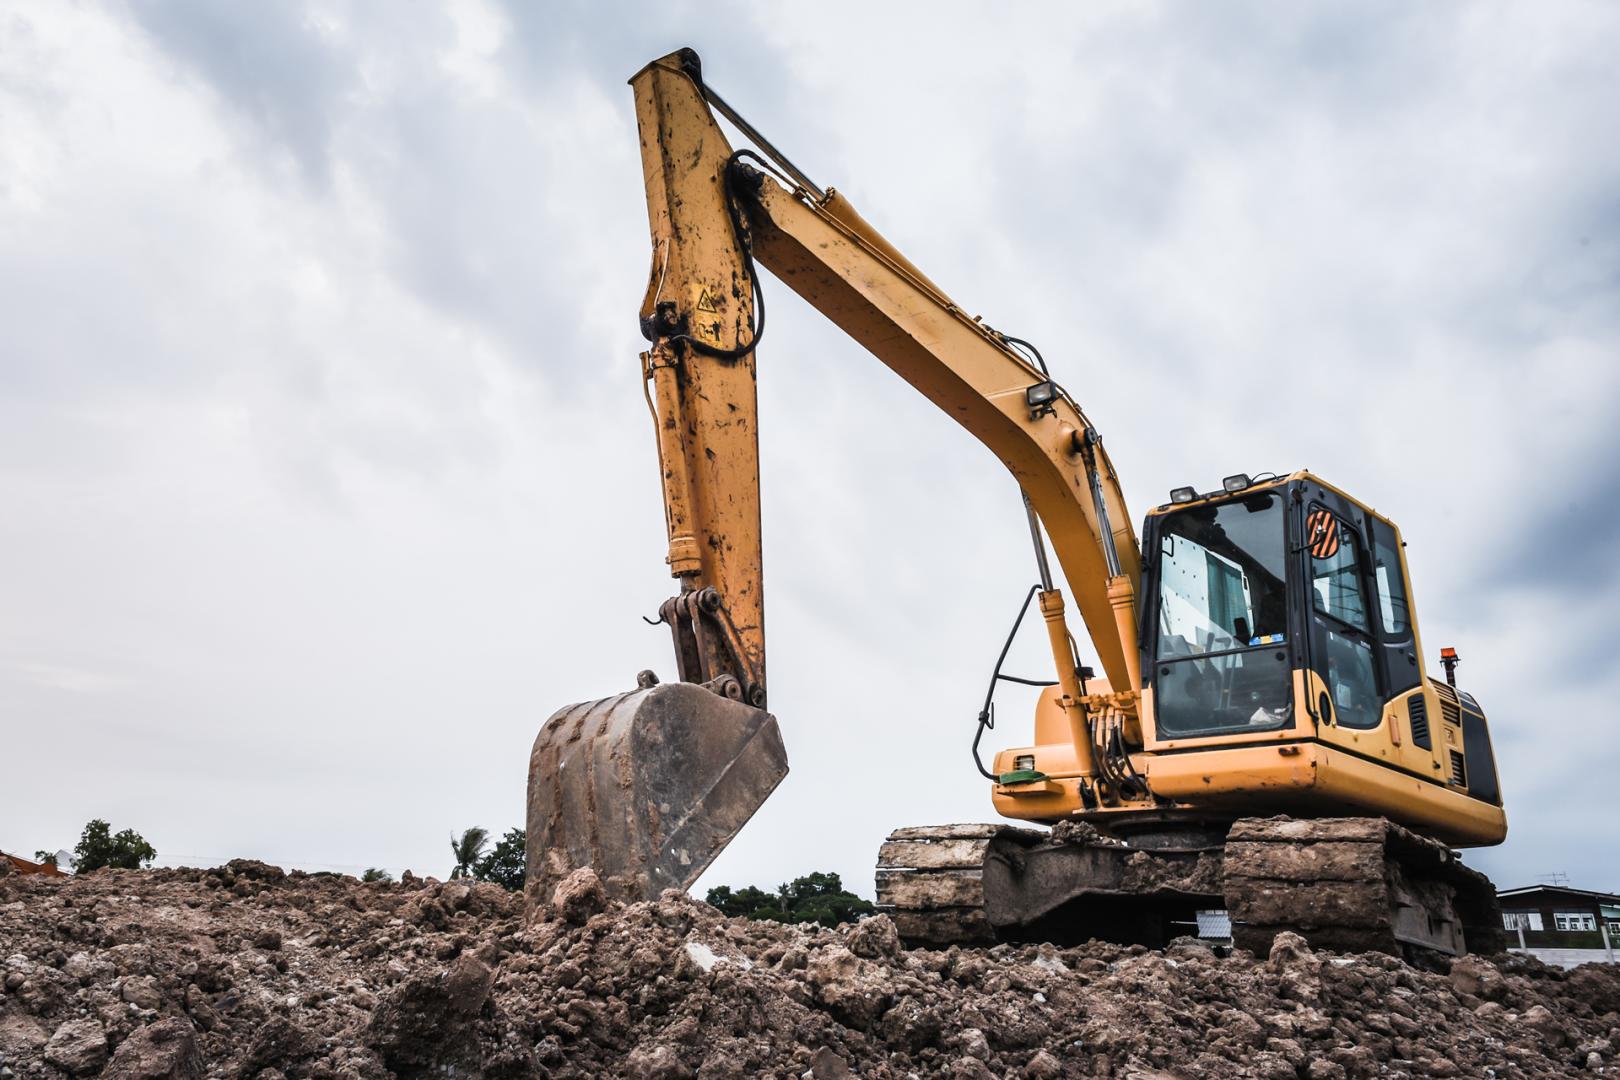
327,475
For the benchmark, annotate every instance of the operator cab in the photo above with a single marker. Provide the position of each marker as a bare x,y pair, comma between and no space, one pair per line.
1245,585
1278,612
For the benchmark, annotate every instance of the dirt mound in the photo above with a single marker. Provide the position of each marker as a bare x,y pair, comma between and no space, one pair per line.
244,971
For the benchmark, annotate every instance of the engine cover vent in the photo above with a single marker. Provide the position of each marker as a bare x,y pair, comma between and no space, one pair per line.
1450,710
1417,713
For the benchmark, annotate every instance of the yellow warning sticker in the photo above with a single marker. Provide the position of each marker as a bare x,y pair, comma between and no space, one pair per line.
706,302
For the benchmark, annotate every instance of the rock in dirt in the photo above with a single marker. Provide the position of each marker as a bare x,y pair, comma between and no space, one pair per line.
1290,951
579,896
1474,977
142,992
170,973
166,1050
875,938
254,870
426,1020
851,989
825,1064
278,1041
1043,1066
973,1043
78,1046
656,1062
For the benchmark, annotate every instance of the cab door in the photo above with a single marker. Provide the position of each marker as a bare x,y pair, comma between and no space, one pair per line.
1345,650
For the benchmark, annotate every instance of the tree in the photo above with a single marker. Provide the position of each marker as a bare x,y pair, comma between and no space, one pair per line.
98,847
376,874
468,848
506,862
749,902
818,898
45,858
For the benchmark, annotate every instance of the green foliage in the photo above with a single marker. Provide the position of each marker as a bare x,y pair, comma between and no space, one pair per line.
749,902
506,862
376,874
45,858
468,848
818,898
98,847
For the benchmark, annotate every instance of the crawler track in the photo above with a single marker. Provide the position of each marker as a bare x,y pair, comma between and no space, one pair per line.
980,884
930,879
1352,884
1355,884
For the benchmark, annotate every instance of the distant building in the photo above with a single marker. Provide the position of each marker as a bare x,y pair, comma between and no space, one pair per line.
20,865
1560,909
1556,917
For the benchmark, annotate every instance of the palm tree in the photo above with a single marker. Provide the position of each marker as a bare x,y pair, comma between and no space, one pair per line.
468,849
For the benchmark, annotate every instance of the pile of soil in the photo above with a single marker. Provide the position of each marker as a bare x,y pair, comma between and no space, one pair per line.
244,971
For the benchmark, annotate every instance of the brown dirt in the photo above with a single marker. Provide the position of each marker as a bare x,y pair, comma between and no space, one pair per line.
243,971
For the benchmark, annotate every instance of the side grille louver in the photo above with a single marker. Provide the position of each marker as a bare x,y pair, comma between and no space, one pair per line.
1417,714
1449,709
1459,775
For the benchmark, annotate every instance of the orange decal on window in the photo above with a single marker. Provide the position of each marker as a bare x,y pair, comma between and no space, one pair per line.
1322,534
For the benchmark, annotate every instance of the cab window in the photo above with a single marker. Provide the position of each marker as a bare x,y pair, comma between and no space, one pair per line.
1335,574
1222,655
1338,592
1393,612
1353,682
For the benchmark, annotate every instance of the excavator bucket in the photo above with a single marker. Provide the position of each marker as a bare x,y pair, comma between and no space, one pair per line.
646,787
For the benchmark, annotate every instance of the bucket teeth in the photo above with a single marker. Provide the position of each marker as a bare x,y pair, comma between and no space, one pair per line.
647,787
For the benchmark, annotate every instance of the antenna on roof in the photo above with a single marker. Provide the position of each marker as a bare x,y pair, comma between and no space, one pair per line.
1557,877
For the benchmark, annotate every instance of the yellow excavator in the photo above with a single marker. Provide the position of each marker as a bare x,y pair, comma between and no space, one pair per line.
1260,740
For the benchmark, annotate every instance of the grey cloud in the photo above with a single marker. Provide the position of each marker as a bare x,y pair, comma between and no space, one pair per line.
270,61
1561,532
487,218
554,43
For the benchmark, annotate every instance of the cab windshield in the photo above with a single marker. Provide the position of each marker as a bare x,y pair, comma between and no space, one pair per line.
1223,619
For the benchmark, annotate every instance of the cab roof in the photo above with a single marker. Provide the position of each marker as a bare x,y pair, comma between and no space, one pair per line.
1269,483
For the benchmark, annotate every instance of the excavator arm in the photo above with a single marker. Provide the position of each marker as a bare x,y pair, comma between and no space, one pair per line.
700,303
650,786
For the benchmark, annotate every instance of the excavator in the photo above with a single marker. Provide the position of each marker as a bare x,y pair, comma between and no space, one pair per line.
1261,738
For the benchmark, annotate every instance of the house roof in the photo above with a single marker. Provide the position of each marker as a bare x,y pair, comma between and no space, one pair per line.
1529,890
28,866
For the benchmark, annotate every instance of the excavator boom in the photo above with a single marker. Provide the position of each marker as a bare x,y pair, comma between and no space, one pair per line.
712,217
